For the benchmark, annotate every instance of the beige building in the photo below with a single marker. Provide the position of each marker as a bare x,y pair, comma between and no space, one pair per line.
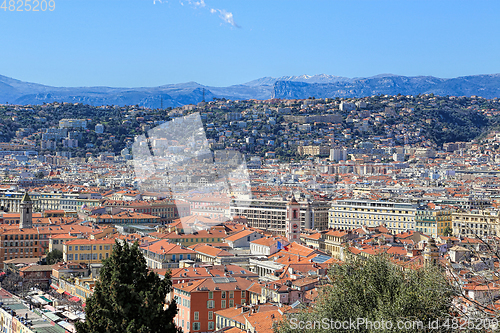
66,201
351,214
433,222
476,222
313,150
270,215
335,241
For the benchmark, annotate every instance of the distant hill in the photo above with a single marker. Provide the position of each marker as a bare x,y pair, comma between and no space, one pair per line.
18,92
487,86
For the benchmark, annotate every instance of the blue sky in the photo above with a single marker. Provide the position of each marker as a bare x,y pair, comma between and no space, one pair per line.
131,43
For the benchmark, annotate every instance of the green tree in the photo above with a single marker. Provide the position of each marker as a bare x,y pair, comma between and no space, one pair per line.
375,290
54,257
128,298
447,231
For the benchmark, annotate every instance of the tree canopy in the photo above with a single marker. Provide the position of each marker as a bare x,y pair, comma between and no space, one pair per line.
376,290
128,298
54,256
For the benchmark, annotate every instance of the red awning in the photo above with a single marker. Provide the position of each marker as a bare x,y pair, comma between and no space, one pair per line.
74,299
67,294
83,305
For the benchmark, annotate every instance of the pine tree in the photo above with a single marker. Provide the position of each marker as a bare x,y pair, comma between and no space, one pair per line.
128,298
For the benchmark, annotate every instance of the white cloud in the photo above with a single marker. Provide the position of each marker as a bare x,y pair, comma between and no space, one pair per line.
225,16
200,3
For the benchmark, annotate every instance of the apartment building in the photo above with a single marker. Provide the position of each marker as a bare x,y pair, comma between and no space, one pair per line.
335,240
56,242
213,206
125,217
468,203
57,200
198,301
163,255
433,222
481,223
90,251
196,237
73,123
10,200
313,150
166,210
20,243
210,254
351,214
270,214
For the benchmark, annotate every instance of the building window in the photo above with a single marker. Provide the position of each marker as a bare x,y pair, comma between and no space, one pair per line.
196,315
243,293
196,326
223,304
211,325
231,294
223,294
210,304
210,295
210,315
231,303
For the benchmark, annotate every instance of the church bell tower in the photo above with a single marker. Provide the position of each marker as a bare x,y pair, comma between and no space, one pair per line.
293,221
26,210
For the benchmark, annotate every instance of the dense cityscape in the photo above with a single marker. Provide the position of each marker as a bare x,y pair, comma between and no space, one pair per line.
212,166
319,181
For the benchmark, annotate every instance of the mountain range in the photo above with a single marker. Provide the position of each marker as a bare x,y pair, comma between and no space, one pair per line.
320,86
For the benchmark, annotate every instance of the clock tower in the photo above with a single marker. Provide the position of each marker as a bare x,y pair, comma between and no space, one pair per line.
293,220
